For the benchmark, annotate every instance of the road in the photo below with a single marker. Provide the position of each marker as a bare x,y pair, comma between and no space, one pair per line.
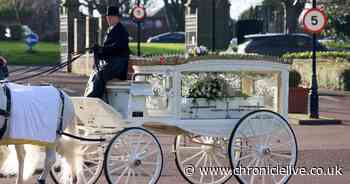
319,146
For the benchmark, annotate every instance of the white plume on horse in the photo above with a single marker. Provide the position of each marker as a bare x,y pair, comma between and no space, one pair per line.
23,159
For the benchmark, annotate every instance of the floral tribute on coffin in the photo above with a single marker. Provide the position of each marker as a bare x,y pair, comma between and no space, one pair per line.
227,95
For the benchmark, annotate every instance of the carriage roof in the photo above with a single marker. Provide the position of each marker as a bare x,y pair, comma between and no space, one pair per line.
216,64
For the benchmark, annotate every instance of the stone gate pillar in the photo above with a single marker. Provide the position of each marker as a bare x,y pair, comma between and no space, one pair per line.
199,24
69,10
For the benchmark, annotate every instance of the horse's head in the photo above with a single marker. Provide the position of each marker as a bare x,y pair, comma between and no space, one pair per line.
4,73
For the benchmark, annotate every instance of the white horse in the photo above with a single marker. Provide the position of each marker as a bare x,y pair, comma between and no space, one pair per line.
66,147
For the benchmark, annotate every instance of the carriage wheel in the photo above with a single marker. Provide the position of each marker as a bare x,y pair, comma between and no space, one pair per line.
266,141
133,156
92,155
193,153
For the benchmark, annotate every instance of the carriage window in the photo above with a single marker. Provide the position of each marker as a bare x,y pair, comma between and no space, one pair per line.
161,85
227,94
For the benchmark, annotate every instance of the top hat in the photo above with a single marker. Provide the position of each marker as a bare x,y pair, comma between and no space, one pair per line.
113,11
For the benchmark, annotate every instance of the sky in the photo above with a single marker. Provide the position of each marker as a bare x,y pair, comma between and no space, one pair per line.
237,6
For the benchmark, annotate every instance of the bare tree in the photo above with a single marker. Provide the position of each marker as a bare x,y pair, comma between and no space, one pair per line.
292,10
101,5
175,10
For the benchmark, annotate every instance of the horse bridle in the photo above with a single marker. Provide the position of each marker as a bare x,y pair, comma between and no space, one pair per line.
6,113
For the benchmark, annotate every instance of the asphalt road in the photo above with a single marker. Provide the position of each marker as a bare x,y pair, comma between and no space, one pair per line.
319,146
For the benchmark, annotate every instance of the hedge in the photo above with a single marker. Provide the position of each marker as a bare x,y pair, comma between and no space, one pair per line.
338,44
334,55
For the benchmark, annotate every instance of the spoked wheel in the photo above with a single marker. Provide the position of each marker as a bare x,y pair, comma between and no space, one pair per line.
202,160
133,156
265,140
92,154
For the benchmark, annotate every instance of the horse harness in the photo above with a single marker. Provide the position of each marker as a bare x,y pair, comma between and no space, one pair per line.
60,125
6,113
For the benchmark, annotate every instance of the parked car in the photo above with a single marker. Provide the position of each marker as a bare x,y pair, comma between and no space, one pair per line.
233,41
169,37
278,44
328,39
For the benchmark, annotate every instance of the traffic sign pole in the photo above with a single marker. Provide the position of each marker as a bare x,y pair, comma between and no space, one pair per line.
138,34
139,14
314,21
314,98
31,40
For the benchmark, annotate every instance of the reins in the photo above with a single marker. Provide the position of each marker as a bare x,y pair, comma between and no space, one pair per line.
49,71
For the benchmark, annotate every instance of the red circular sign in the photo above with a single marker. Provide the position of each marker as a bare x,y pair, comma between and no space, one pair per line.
314,20
139,13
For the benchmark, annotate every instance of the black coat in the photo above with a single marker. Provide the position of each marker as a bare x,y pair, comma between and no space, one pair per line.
116,43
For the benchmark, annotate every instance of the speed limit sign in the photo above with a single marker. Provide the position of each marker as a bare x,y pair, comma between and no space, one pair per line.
139,13
315,20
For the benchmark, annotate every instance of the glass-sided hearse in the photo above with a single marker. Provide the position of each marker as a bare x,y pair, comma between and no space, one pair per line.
224,113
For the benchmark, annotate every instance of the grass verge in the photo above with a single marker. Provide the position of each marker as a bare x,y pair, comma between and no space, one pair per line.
49,53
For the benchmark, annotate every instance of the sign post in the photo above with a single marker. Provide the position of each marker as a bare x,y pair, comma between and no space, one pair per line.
314,21
139,15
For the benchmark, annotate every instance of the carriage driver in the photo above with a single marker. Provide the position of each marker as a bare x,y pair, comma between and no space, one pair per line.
115,52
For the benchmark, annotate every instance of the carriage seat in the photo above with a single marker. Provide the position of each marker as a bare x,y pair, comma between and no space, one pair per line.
135,87
117,82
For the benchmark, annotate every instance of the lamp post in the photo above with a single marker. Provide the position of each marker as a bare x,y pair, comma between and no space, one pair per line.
314,98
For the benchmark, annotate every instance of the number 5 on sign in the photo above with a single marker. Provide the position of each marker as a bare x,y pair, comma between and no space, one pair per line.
314,20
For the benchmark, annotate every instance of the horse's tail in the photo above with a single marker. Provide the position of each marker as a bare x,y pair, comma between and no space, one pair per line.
70,149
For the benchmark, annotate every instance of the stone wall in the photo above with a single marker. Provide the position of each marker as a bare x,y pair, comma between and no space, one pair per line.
328,72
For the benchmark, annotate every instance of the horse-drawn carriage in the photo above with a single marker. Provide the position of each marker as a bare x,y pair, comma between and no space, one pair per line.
225,114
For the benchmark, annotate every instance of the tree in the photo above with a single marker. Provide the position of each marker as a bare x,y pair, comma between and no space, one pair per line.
42,16
248,14
291,10
101,5
338,12
175,10
12,5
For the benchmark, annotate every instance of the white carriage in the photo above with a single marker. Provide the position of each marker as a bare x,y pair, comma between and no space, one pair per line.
237,123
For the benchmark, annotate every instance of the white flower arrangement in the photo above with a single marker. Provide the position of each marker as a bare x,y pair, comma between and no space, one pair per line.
209,88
